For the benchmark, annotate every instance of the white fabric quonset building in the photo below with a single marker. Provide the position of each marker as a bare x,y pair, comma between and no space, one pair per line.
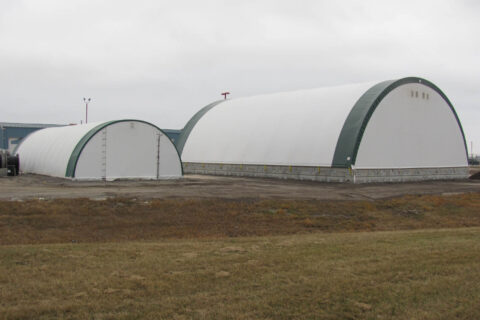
121,149
398,130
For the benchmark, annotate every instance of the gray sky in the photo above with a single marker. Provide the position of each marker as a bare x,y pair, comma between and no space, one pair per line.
161,61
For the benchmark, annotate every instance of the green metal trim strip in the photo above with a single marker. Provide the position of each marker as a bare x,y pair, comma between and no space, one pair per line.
77,151
352,132
182,139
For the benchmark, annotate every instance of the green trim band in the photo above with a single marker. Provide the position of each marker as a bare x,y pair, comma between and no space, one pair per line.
77,151
182,139
352,132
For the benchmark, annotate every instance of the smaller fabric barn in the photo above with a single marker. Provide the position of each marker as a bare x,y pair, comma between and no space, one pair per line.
121,149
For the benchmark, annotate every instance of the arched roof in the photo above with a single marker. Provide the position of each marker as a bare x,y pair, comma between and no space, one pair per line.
47,151
72,162
319,127
358,118
56,151
180,143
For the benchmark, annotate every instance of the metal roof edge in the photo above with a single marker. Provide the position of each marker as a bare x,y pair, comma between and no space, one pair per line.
30,125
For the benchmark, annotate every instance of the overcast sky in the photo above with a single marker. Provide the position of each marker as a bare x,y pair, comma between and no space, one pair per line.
161,61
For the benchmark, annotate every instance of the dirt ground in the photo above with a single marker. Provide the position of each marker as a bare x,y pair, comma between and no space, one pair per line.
195,186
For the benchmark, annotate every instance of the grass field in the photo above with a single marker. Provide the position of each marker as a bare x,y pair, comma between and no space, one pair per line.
377,275
413,257
117,219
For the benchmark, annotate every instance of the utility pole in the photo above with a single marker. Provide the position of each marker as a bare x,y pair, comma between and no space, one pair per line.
224,94
86,108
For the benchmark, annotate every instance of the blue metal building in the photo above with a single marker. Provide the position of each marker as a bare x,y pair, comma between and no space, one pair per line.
12,133
173,134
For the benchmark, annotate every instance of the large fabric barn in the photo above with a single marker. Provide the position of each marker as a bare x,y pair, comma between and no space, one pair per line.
122,149
396,130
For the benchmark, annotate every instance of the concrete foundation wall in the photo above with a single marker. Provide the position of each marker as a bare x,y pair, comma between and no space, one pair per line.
413,174
326,174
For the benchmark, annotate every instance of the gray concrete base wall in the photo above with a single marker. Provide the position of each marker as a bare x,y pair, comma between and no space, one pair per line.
411,174
326,174
269,171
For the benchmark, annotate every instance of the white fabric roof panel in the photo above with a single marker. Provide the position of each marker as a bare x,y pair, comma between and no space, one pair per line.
292,128
47,151
369,125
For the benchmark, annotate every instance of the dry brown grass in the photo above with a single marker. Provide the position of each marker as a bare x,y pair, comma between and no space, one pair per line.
83,220
82,259
375,275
